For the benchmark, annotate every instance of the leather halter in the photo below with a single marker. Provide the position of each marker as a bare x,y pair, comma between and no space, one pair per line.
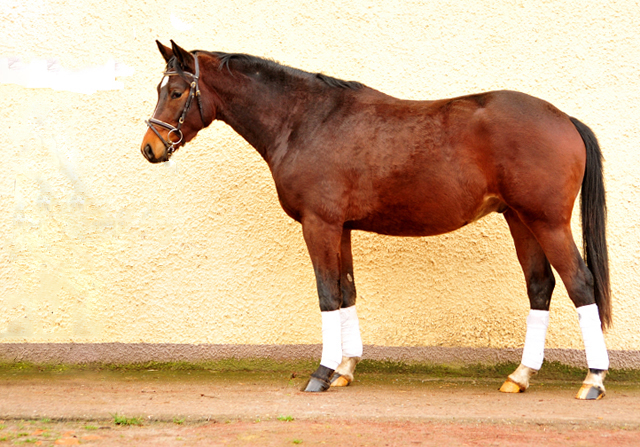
194,91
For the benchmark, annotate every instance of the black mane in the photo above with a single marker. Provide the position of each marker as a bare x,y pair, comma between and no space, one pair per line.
276,69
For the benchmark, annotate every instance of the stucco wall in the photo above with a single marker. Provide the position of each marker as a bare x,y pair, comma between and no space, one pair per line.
99,246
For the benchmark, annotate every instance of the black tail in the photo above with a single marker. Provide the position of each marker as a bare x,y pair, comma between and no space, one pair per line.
593,208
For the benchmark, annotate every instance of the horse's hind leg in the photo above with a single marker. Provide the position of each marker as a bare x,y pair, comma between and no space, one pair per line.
350,327
557,243
540,284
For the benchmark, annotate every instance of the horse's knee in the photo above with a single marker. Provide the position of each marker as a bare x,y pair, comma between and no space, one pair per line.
329,293
329,303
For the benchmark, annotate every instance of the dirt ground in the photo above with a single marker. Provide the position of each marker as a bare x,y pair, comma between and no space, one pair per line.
210,408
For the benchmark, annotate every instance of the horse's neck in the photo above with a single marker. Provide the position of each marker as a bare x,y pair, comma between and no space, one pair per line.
265,115
261,116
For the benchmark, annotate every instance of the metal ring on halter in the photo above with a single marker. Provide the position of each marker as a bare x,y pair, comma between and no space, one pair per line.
176,131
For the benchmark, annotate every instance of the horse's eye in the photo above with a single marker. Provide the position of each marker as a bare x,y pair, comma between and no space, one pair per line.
176,95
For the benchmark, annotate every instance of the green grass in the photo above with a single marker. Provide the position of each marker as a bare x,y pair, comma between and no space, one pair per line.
302,368
286,418
224,365
119,419
549,371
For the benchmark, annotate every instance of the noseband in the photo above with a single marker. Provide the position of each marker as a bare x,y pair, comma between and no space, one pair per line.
194,91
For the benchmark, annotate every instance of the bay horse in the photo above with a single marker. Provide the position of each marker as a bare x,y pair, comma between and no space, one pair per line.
347,157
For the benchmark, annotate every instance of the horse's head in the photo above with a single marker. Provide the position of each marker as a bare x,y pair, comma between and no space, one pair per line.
181,111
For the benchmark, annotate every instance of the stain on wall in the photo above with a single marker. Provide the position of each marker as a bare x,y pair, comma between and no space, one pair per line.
99,246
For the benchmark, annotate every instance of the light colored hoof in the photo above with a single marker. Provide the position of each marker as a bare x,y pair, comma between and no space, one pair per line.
344,372
340,380
509,386
590,392
518,381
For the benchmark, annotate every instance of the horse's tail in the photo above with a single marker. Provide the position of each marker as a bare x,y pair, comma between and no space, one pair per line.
593,208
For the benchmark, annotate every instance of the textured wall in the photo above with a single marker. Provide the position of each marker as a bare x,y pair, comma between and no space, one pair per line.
99,246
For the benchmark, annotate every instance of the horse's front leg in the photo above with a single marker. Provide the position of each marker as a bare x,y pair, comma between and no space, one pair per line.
350,327
323,242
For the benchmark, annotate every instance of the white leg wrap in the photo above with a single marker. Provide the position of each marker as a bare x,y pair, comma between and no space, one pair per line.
331,339
533,352
594,346
351,340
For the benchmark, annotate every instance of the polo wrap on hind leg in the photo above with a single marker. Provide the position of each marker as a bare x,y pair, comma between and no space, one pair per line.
594,345
596,351
533,352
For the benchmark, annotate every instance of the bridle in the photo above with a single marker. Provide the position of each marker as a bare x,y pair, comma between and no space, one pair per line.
194,91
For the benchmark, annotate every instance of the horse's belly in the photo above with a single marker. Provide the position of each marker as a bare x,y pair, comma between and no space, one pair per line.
405,220
404,228
408,224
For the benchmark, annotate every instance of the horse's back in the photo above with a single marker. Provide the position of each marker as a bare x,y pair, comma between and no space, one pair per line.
420,168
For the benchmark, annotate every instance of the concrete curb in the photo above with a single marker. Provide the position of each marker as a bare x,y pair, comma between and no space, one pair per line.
76,353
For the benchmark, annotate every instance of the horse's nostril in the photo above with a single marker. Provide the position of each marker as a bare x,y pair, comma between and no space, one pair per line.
148,152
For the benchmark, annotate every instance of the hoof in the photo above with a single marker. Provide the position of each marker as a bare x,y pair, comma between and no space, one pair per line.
590,392
509,386
340,380
518,381
315,385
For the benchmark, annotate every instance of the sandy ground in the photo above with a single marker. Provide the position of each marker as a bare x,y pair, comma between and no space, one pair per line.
261,408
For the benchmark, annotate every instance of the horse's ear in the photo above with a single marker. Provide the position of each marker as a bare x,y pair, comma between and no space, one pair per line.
167,53
185,59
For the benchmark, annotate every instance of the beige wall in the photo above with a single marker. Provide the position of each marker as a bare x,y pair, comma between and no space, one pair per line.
99,246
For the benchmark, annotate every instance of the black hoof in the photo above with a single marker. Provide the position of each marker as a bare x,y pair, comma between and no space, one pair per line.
316,385
594,394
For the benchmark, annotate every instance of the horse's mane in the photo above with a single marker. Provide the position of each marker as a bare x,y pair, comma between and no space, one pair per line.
278,71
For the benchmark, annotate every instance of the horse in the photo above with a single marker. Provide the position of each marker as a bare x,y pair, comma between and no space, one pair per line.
347,157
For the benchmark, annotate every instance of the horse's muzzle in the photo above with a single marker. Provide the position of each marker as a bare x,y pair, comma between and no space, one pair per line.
147,152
